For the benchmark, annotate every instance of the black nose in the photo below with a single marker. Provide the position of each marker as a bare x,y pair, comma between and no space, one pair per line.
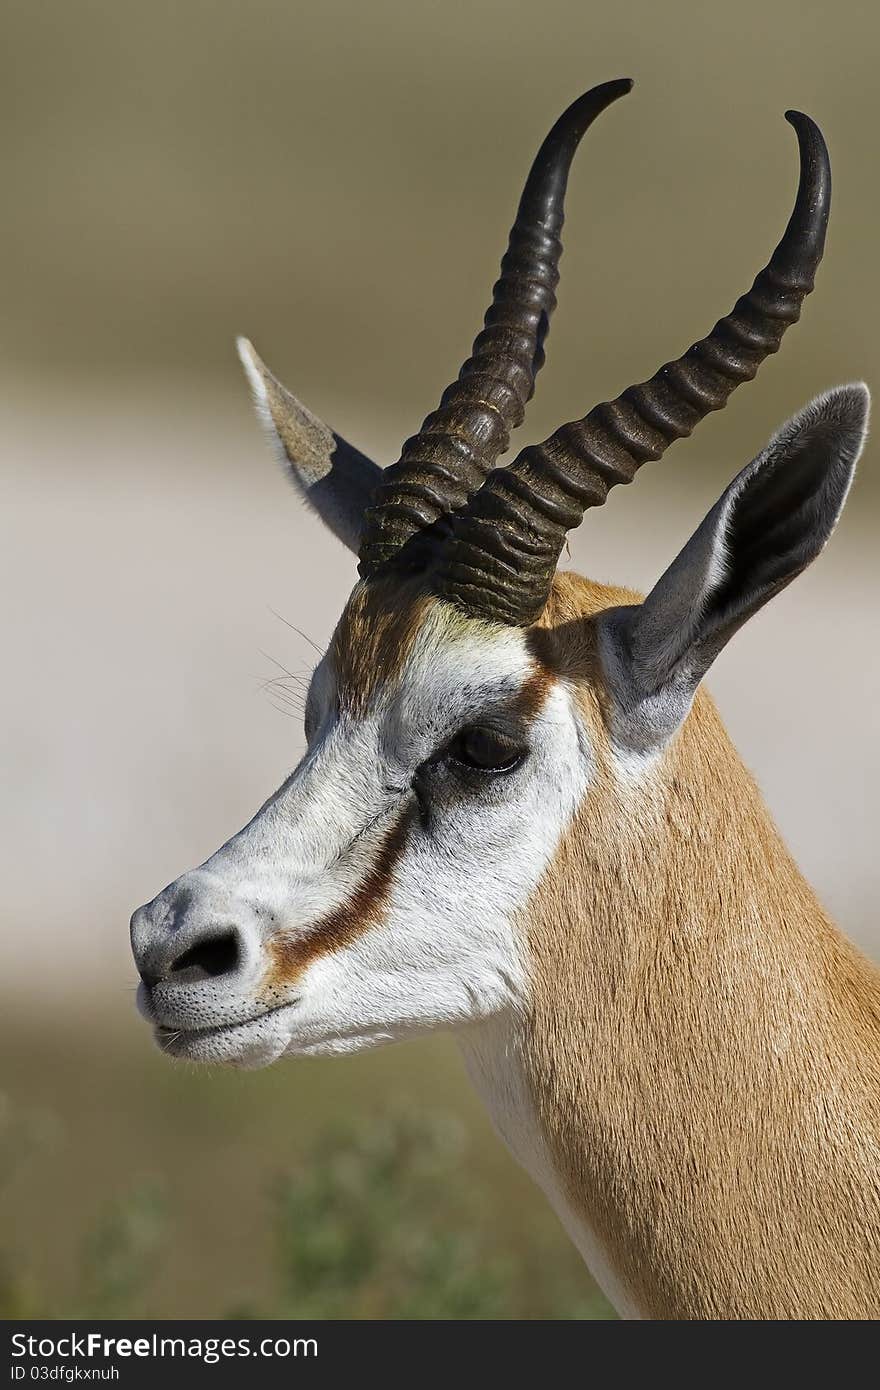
217,953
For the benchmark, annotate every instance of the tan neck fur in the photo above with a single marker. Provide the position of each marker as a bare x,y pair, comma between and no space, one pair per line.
703,1045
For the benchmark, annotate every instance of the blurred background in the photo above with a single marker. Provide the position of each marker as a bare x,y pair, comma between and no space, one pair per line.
337,180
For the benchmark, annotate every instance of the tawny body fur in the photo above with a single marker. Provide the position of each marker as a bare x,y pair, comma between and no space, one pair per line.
703,1044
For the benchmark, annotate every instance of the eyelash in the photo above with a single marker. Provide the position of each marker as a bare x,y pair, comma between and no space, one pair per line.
475,748
482,750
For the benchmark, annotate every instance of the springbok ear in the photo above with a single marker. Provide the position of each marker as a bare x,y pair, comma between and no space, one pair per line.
335,479
773,520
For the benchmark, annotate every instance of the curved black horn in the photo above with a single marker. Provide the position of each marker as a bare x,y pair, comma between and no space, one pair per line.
459,442
505,546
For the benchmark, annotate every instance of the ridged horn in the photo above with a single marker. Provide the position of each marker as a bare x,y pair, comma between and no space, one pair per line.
442,465
501,557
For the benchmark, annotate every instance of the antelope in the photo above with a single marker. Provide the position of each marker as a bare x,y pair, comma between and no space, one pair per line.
519,816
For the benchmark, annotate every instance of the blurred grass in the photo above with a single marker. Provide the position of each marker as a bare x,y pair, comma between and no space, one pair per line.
133,1188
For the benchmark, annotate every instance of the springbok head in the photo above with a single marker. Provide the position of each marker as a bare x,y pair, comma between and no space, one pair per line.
470,697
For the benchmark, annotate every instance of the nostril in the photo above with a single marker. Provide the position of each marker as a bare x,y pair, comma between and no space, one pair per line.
215,955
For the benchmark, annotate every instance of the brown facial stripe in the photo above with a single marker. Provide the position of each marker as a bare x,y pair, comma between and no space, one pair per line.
290,956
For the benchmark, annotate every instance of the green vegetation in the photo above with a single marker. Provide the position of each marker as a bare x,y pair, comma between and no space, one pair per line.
394,1211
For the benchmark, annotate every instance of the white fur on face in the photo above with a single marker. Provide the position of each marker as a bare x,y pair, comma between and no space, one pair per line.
437,945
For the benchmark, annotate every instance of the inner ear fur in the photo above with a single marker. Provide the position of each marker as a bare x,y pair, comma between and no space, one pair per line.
771,522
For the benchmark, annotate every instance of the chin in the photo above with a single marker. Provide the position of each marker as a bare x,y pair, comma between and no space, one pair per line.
340,1044
249,1045
318,1029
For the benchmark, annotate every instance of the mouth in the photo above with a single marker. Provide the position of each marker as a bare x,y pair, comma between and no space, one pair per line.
253,1042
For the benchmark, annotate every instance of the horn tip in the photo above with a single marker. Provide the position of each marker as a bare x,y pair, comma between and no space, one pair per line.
802,123
579,116
815,164
617,87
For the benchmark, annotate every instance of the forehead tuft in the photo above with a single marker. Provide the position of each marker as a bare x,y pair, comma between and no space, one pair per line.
391,620
392,624
374,637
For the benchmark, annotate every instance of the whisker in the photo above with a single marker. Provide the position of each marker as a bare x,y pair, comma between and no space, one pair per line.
278,684
281,682
289,713
291,706
297,630
275,662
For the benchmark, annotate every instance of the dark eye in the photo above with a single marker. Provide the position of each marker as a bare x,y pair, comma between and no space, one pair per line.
486,750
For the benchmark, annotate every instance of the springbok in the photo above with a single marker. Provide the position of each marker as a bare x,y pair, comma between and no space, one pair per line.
519,816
